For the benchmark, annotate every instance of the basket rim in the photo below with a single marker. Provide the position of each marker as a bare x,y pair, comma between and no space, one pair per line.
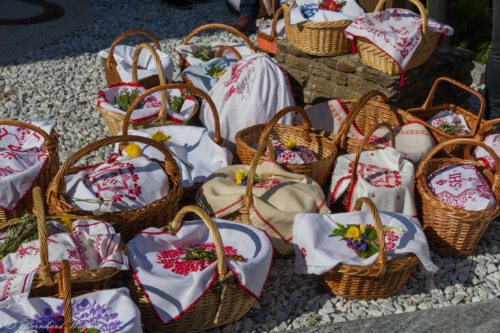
395,265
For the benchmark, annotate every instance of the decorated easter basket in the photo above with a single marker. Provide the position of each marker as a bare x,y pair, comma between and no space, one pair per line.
269,43
126,222
262,8
487,129
379,280
50,146
223,303
452,231
428,110
183,63
315,140
371,55
109,64
325,39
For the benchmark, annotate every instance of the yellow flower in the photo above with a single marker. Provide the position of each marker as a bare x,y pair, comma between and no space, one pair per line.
353,232
290,144
67,222
159,136
362,228
239,176
133,150
220,74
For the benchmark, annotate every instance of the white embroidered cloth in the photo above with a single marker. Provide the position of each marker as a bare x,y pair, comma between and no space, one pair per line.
187,51
149,108
280,28
461,186
123,55
190,144
92,244
198,74
448,117
317,253
173,285
251,92
21,161
395,31
108,310
119,184
295,155
308,10
383,175
492,140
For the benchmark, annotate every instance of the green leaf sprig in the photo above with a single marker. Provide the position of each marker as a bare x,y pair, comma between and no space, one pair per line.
204,53
26,230
125,98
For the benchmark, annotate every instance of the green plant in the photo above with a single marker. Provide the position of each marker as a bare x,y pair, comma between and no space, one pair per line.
452,129
26,230
215,71
204,53
176,102
125,98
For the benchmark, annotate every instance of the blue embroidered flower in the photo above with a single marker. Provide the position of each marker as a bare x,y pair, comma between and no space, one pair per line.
309,10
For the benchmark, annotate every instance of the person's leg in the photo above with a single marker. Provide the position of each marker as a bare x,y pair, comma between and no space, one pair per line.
181,4
249,8
493,67
248,15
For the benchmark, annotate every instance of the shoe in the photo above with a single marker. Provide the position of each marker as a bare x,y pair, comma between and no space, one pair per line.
246,24
180,4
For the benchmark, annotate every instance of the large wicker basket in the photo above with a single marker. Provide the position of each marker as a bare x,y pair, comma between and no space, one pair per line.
428,110
109,64
51,144
128,222
218,306
325,39
379,280
371,55
452,231
183,64
315,140
269,43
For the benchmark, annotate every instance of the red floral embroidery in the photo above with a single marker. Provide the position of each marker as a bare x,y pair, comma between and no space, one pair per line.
391,240
72,254
303,251
236,71
26,251
378,176
268,183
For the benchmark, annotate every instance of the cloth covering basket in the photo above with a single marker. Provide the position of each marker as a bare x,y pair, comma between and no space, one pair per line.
379,280
269,43
452,231
224,303
428,110
128,222
488,128
315,140
325,39
51,143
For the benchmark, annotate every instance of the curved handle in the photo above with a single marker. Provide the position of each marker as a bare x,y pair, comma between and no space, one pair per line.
43,134
231,49
418,4
248,198
195,91
218,26
488,126
214,232
276,17
453,142
482,108
365,142
56,186
39,211
381,262
65,293
110,61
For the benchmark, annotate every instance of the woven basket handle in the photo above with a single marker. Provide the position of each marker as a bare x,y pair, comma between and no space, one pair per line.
381,262
65,294
195,91
231,49
418,4
56,188
214,232
39,212
482,108
354,174
218,26
248,198
111,59
488,126
276,17
470,142
43,134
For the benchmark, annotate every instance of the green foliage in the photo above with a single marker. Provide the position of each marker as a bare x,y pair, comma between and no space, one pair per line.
452,129
200,254
215,71
176,102
125,98
204,53
26,230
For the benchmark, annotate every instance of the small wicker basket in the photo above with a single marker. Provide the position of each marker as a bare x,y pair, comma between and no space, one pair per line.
128,222
51,144
218,306
269,43
109,64
489,127
452,231
325,39
428,110
379,280
315,140
372,56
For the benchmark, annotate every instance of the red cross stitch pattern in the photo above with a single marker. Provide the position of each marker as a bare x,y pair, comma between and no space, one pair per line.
378,176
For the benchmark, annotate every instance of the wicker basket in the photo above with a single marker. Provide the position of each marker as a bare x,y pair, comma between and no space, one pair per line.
379,280
51,144
183,64
315,140
371,55
325,39
428,110
485,130
262,9
218,306
269,43
128,222
111,73
452,231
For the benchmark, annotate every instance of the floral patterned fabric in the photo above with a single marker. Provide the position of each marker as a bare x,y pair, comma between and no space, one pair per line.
174,282
187,51
462,186
22,158
492,140
447,117
108,311
317,253
293,155
310,10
